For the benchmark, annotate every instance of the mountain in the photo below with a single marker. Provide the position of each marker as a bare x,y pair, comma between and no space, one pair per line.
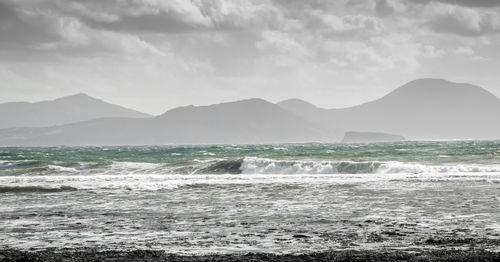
320,116
370,137
300,107
247,121
69,109
428,109
421,109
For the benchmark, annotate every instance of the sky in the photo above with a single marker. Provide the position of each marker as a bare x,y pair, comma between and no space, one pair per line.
154,55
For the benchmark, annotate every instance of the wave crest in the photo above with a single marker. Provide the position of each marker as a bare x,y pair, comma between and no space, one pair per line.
252,165
249,165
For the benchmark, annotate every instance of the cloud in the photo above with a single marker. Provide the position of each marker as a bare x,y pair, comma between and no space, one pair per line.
284,49
384,7
153,16
432,52
378,54
179,16
156,16
465,50
389,7
19,29
34,31
463,21
349,23
469,52
468,3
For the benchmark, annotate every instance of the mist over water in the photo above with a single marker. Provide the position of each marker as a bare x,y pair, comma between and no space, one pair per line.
238,198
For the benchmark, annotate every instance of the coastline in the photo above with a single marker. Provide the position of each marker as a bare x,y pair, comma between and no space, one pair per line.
9,255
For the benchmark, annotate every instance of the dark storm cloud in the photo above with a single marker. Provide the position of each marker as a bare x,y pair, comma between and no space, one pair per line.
20,30
167,17
458,17
301,5
162,22
468,3
157,23
474,3
134,17
478,3
6,12
20,20
383,8
475,26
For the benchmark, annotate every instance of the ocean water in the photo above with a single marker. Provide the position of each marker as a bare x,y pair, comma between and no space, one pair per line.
287,198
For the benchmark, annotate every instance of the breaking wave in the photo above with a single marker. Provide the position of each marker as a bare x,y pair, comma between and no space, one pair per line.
247,165
252,165
255,165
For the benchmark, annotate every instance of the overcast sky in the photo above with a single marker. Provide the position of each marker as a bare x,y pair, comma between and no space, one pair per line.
153,55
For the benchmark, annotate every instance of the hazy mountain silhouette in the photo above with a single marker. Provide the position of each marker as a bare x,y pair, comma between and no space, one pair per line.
421,109
69,109
320,116
301,107
247,121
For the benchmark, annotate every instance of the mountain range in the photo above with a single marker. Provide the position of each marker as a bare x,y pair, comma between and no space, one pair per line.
421,109
65,110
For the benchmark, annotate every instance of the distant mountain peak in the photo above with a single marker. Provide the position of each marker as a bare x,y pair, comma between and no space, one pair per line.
247,101
78,96
427,109
63,110
426,89
429,79
429,83
296,102
300,107
250,102
436,83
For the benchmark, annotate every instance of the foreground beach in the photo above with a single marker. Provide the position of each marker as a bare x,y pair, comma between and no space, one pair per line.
144,255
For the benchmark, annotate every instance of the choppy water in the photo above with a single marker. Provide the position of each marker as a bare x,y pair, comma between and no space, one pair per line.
238,198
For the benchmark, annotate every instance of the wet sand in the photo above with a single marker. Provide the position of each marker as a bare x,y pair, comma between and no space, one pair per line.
348,255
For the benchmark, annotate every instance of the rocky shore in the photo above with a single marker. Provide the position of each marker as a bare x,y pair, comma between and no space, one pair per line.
347,255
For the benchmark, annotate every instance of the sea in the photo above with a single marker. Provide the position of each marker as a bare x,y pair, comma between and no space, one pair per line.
275,198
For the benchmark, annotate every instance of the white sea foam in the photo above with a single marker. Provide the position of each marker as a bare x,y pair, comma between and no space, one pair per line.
208,154
399,167
135,165
94,182
172,181
62,169
204,160
253,165
126,168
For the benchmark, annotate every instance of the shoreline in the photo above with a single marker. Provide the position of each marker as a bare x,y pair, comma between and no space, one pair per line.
9,255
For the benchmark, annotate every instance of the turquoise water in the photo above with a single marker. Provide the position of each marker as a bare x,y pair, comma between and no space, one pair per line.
285,198
25,161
